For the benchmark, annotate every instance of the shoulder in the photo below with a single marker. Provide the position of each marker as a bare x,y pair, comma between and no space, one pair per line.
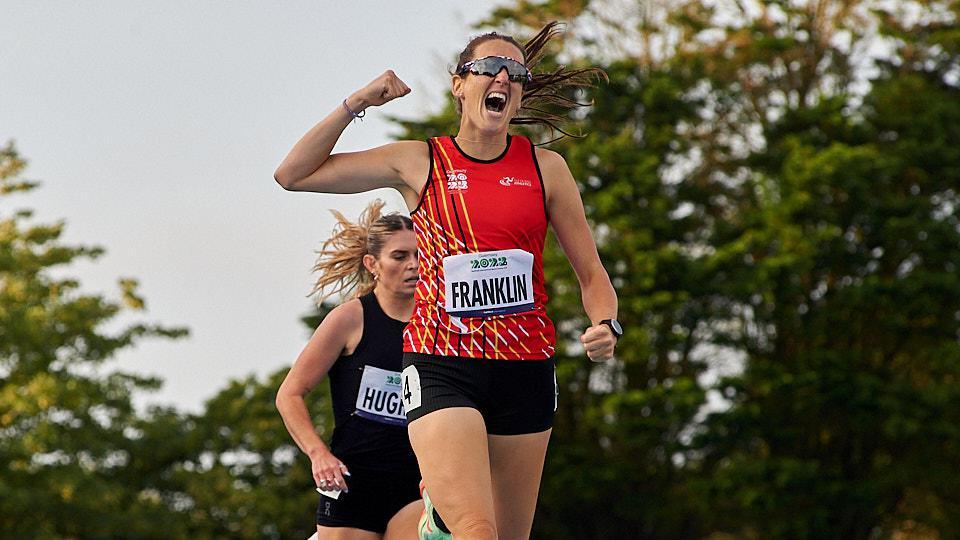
346,315
408,149
550,160
401,155
410,160
343,326
408,146
554,170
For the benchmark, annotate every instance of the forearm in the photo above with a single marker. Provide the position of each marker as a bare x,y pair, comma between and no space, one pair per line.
297,419
313,149
599,297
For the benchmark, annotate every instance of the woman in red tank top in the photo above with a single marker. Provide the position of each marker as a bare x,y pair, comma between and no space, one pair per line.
478,350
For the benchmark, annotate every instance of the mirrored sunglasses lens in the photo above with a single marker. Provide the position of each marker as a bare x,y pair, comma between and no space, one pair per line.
516,71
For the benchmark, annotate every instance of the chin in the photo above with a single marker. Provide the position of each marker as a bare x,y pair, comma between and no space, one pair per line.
491,126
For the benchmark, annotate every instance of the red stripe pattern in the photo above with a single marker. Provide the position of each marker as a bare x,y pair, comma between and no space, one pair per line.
471,206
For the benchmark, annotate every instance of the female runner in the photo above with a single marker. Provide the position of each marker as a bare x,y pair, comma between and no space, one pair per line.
478,380
369,476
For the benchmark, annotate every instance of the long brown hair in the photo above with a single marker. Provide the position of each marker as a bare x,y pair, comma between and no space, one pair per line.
548,90
340,260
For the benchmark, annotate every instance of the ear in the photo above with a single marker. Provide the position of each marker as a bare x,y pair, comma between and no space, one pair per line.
456,86
370,263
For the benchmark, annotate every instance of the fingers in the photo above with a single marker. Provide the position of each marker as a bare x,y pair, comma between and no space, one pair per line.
599,343
393,87
385,88
332,476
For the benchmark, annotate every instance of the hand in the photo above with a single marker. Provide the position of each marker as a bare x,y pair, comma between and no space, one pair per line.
384,88
599,342
329,472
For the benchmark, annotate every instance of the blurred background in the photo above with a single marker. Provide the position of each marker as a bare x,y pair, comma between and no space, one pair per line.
773,187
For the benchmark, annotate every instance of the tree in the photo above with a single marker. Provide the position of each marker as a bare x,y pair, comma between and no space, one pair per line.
844,420
70,439
236,472
839,255
242,476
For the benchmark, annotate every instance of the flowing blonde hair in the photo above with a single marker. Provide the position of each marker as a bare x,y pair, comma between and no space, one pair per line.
340,260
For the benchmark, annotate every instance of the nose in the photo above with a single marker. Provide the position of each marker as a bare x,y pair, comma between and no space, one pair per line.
502,76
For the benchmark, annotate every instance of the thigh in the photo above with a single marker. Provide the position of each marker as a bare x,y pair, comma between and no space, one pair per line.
403,525
451,446
516,466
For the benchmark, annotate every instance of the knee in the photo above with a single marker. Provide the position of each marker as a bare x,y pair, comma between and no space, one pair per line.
475,528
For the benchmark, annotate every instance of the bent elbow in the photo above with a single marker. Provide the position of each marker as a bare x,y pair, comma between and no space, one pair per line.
282,400
286,181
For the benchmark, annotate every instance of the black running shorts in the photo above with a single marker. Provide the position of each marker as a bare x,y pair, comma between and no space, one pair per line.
513,396
374,498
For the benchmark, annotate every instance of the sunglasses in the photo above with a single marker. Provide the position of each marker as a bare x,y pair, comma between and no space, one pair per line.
491,65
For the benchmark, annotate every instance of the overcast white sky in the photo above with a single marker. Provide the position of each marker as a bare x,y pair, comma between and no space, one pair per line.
155,129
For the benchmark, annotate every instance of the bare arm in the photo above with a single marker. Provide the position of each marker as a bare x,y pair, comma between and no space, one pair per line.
569,222
310,167
338,333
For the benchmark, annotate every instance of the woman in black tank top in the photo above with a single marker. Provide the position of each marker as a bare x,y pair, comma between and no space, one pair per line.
368,476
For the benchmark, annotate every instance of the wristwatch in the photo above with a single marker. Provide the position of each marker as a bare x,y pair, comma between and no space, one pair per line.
614,327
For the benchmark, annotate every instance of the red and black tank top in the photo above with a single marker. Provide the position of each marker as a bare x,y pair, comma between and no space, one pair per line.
480,228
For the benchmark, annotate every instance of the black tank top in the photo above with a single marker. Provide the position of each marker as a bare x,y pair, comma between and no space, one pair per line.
371,429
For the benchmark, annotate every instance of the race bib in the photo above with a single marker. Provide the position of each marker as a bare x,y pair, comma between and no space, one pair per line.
379,397
411,388
488,283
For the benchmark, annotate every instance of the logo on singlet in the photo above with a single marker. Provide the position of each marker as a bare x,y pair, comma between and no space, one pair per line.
457,180
513,181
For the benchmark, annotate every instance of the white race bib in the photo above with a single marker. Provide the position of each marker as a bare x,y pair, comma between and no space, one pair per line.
379,397
488,283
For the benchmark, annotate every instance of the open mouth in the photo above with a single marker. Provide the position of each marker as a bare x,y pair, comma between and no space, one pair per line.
495,102
410,281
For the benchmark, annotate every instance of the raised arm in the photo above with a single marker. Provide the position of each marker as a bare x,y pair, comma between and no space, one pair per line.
569,222
310,167
338,333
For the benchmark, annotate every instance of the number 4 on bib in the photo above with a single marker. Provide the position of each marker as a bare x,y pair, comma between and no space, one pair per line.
410,390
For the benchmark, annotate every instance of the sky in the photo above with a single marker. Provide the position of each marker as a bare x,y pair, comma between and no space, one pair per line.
154,129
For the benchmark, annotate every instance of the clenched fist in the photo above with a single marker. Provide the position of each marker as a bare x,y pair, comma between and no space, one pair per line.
384,88
598,341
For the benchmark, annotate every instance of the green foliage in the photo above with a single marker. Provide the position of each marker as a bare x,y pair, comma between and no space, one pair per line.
79,462
778,211
69,436
236,472
241,475
847,405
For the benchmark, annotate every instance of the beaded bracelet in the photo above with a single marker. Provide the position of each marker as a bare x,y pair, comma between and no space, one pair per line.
359,115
